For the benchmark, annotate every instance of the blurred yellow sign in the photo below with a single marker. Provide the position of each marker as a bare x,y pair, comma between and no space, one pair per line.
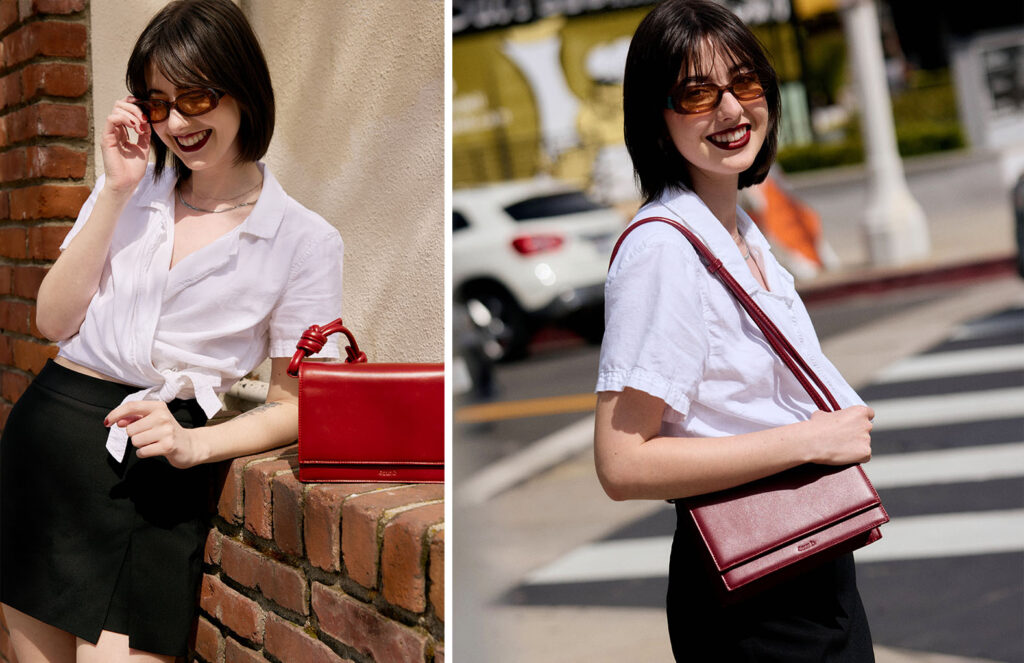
811,8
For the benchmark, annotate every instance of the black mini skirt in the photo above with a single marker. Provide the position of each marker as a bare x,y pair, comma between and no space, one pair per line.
88,543
816,617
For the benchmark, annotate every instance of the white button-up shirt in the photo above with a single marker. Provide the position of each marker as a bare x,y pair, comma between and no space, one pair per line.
675,331
192,330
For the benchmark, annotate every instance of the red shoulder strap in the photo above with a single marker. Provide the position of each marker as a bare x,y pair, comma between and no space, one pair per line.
790,357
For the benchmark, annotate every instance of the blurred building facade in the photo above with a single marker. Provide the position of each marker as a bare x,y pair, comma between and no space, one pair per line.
537,83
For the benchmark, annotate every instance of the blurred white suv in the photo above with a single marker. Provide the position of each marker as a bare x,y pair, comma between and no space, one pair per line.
530,252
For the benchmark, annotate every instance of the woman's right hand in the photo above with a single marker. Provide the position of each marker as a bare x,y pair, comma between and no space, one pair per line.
842,437
124,161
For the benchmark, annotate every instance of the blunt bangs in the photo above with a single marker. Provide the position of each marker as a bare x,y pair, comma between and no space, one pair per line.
207,43
669,41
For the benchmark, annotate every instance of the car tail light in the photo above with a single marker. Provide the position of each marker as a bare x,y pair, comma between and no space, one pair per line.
530,244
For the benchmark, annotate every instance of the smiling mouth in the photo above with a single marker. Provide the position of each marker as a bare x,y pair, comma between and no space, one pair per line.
731,139
193,141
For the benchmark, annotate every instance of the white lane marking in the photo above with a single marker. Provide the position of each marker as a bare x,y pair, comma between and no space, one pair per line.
962,464
948,535
617,559
917,537
919,411
520,466
964,362
983,328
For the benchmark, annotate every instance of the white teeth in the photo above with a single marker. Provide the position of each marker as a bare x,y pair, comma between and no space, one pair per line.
189,141
730,136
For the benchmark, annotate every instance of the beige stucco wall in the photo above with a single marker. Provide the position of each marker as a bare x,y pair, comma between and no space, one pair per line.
359,139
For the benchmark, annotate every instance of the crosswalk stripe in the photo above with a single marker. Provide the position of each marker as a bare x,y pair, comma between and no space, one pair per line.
961,464
948,364
948,535
983,328
917,537
918,411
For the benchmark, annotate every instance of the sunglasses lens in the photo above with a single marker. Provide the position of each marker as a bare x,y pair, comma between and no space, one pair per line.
747,87
196,102
696,98
156,111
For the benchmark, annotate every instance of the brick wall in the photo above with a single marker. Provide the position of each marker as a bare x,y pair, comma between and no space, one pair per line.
45,153
321,573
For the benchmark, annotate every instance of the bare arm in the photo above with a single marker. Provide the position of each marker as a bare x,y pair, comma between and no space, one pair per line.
68,287
154,432
635,462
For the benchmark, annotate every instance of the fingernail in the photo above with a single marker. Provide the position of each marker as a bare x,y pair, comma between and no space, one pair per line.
106,423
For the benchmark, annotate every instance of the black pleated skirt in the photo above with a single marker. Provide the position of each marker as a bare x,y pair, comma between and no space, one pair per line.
816,617
88,543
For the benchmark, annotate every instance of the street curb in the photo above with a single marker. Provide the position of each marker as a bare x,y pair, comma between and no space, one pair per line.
893,279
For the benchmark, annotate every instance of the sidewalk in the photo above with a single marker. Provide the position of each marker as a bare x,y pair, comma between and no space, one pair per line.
969,214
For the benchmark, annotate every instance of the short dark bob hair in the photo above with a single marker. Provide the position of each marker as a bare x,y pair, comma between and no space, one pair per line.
207,43
666,46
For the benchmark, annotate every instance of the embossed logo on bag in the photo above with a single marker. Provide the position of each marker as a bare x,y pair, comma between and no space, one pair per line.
387,473
807,546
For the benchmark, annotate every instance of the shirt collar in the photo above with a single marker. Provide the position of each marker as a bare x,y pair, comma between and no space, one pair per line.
266,216
688,206
263,220
695,214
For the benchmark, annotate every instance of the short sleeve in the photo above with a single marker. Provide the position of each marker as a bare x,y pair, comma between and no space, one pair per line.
312,296
655,336
83,214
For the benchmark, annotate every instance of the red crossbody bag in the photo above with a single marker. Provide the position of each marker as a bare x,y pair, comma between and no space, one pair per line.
766,530
367,422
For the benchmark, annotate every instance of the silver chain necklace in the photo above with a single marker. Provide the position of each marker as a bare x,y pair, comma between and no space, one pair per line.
181,197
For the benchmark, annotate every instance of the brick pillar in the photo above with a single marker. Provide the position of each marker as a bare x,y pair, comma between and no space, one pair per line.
45,153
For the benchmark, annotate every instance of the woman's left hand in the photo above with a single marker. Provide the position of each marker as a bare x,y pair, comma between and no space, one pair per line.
155,432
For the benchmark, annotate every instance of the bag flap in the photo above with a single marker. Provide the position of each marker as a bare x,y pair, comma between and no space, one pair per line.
371,413
750,520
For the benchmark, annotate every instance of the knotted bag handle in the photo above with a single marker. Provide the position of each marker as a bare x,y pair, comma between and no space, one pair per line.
313,340
790,357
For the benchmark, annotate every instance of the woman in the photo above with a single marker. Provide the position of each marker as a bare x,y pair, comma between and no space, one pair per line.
171,285
691,398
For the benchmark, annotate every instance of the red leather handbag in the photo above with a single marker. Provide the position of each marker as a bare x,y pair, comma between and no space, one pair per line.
775,527
365,422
